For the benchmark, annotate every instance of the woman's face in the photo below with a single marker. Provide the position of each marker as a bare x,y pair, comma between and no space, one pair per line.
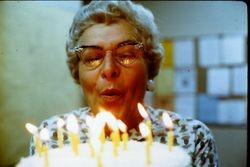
110,85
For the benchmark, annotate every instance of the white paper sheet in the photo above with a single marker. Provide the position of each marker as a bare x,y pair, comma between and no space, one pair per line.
239,86
184,53
185,105
209,51
233,49
232,111
207,108
218,81
185,80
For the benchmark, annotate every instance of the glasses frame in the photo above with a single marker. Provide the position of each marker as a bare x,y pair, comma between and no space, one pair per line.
79,49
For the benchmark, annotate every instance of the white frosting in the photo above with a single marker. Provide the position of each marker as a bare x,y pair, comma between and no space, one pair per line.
134,155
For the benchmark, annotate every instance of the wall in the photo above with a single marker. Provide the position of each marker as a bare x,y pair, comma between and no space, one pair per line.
193,19
35,82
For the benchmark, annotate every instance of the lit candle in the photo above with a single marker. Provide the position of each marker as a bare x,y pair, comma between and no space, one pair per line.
145,133
144,114
73,128
34,131
169,124
44,135
115,134
97,147
123,128
89,123
60,124
100,121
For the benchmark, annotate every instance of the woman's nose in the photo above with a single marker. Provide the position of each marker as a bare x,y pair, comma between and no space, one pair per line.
110,70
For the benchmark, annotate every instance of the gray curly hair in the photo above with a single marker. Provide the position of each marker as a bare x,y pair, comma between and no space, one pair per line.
107,11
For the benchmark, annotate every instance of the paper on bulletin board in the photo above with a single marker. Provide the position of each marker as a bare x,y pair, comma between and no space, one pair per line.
233,49
185,105
207,108
232,111
185,80
164,82
168,53
209,51
165,102
239,84
184,53
218,81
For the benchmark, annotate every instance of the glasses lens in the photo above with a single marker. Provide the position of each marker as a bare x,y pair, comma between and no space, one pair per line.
127,54
91,57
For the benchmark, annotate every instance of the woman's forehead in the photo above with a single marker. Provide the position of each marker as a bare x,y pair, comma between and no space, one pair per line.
108,34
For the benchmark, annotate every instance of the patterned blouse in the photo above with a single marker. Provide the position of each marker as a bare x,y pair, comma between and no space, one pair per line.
190,134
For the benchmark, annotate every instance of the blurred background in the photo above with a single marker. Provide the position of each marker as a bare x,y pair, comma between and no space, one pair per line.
203,73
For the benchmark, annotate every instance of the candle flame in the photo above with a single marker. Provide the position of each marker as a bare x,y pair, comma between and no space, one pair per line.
144,129
44,134
31,128
72,125
102,117
96,126
142,110
111,121
167,120
122,126
60,123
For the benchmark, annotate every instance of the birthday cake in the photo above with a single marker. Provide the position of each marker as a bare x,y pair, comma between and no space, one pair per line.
133,155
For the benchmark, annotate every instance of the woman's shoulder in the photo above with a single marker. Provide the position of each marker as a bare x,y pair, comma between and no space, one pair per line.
181,123
51,122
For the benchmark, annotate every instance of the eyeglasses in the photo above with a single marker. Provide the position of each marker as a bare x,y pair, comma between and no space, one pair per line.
125,53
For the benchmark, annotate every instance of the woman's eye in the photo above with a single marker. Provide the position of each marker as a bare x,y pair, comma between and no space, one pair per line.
92,60
126,58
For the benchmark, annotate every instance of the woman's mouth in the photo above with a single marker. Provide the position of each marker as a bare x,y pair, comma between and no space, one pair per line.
111,95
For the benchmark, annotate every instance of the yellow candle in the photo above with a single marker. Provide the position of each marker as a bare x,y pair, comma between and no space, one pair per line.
97,146
74,138
115,134
102,136
46,156
90,124
169,124
170,140
145,133
92,151
150,138
60,124
115,137
125,140
34,131
72,127
44,135
38,145
123,128
144,114
99,162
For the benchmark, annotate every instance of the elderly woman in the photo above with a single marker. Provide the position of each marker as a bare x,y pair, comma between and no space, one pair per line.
114,53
